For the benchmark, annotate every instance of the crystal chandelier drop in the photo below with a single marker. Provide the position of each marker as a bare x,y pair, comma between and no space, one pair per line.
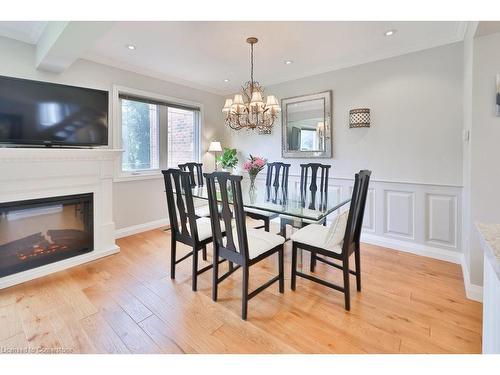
248,110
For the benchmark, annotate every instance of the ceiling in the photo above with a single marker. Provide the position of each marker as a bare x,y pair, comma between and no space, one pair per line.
203,54
24,31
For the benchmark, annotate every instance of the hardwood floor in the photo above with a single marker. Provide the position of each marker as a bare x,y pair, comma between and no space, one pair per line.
126,303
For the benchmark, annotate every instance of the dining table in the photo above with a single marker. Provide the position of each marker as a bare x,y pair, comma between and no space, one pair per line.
292,201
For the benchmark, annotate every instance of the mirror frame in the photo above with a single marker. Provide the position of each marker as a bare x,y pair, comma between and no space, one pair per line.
328,113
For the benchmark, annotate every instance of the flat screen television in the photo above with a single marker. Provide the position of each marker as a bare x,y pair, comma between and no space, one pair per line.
41,113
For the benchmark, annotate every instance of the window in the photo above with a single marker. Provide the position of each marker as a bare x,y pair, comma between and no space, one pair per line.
182,136
140,135
157,134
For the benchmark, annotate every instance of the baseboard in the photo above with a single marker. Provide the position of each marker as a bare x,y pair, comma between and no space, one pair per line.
414,248
472,291
139,228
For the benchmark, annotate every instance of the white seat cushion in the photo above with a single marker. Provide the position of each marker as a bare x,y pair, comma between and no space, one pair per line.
328,238
203,211
204,226
259,241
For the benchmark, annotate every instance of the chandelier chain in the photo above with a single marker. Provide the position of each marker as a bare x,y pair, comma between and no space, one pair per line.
251,63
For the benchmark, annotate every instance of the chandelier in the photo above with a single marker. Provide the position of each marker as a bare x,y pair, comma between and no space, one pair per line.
248,110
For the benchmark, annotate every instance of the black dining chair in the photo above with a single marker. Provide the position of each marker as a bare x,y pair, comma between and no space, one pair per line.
192,167
195,171
185,226
241,246
323,244
276,180
313,192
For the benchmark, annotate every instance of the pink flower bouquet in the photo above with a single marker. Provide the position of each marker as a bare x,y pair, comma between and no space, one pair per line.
254,165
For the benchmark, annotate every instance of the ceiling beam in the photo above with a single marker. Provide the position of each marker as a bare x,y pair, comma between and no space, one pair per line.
63,42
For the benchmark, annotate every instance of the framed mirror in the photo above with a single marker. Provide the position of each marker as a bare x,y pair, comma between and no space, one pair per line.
306,126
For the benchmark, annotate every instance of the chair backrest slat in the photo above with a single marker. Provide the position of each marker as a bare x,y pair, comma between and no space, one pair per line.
277,182
313,186
363,198
356,212
274,172
231,200
180,203
193,168
308,190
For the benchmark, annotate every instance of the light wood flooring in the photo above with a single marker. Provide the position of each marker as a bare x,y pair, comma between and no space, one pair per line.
127,303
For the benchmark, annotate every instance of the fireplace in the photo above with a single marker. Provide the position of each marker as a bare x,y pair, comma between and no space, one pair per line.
38,232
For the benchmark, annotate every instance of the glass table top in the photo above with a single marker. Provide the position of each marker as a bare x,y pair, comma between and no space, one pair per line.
291,202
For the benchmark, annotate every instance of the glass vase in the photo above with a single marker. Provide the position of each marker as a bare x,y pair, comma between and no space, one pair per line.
252,181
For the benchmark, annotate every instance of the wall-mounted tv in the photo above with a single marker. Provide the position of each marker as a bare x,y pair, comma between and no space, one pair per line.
41,113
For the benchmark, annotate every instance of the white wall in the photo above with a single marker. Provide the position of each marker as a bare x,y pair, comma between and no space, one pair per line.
416,110
135,202
485,149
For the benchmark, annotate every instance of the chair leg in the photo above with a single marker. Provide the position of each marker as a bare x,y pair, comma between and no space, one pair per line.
266,224
215,273
204,252
347,294
173,245
281,267
283,229
357,260
294,264
244,300
313,261
195,269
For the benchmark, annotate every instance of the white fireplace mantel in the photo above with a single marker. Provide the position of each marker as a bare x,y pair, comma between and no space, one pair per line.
32,173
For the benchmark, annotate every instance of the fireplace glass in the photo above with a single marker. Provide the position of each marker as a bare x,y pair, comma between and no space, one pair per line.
37,232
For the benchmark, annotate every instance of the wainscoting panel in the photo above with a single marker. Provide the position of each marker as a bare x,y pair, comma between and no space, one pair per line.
442,219
399,215
369,219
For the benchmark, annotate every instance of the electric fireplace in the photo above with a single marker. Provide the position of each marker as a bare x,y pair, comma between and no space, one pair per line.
37,232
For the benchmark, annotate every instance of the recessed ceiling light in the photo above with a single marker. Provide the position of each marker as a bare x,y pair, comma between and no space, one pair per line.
130,46
226,80
390,32
288,62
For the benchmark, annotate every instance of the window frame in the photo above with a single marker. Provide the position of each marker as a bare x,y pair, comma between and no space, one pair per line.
116,131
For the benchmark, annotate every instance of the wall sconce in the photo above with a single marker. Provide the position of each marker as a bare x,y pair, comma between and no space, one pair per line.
359,118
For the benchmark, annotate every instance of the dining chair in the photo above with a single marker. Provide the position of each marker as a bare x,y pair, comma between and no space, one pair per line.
191,167
337,242
241,246
195,171
311,194
185,226
276,179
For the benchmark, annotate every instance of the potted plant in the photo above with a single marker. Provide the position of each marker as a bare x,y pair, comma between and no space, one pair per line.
253,166
228,160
